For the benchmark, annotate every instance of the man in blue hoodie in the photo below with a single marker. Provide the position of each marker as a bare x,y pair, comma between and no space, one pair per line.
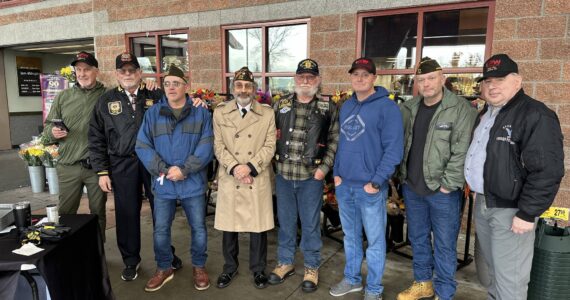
175,144
369,149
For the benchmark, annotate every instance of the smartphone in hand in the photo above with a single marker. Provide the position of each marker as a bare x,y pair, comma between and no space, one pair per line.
59,124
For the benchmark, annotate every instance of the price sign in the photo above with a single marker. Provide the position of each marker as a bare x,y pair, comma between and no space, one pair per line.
559,213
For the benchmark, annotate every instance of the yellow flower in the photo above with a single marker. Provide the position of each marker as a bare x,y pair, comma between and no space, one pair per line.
35,152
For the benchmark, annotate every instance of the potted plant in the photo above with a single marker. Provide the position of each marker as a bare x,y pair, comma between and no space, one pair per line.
51,155
33,153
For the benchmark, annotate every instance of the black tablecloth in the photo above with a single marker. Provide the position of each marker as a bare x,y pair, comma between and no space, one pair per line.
73,268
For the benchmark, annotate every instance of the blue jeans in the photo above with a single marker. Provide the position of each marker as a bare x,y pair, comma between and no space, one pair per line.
303,198
195,210
438,213
359,209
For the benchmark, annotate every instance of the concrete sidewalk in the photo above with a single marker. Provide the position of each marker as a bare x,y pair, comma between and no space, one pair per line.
397,275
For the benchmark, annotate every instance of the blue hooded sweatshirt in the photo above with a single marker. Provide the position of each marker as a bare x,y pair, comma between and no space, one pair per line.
371,140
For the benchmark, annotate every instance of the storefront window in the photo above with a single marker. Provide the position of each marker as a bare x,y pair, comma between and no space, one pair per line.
456,38
156,51
456,35
270,50
391,40
244,49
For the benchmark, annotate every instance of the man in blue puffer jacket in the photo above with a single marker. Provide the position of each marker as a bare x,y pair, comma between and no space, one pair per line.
175,144
369,149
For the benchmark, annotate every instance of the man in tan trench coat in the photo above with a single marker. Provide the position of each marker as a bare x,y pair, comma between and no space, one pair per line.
244,143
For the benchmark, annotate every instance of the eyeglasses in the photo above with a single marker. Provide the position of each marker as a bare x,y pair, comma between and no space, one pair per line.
363,75
175,84
239,85
308,78
127,71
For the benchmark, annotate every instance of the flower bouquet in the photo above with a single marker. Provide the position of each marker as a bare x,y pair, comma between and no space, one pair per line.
32,152
340,96
68,73
263,97
210,97
51,156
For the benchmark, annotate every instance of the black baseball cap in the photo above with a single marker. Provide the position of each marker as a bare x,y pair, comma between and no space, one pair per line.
126,58
308,66
499,65
85,57
363,63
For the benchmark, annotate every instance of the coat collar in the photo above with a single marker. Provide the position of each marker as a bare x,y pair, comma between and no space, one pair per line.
230,112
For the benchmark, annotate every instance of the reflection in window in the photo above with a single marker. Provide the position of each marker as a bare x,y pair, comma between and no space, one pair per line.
156,51
174,50
456,38
244,49
401,85
463,84
281,85
391,40
270,50
287,46
144,49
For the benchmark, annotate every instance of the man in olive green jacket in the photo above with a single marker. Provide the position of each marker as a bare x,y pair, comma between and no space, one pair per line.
437,128
74,107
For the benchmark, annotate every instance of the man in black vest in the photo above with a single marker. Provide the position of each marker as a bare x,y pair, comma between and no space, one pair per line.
307,136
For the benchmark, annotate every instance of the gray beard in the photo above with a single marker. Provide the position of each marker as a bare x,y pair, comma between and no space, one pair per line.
243,101
303,92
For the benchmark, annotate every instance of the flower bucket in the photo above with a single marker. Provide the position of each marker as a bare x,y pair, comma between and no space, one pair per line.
53,183
37,178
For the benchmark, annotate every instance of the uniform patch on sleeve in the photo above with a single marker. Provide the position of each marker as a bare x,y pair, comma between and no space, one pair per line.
115,108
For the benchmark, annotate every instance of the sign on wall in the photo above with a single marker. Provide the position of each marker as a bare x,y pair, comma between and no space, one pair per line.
29,70
51,86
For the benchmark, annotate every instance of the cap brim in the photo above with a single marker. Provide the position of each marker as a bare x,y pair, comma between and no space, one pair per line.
122,64
361,67
307,71
496,74
73,63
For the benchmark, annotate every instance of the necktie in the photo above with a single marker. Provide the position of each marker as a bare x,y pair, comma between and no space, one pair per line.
133,99
243,112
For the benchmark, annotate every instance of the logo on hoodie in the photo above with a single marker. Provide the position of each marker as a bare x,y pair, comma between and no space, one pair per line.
353,127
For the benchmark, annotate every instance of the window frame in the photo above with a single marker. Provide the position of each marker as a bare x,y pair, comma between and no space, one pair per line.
420,11
157,34
12,3
264,74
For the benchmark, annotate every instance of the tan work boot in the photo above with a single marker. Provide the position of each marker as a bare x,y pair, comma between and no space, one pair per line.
280,273
311,280
418,291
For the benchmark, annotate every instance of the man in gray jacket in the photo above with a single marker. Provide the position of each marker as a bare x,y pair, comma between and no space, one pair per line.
437,128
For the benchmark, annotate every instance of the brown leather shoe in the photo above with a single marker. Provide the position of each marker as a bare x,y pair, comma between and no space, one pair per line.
159,278
201,280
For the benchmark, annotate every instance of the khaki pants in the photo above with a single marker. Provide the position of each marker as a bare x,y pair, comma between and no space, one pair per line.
71,180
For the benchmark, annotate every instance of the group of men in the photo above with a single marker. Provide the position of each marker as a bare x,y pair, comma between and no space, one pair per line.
133,136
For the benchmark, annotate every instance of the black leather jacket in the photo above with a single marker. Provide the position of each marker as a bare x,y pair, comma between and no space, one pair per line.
114,125
525,157
322,116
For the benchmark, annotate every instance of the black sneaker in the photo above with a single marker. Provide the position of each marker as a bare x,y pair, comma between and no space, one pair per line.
130,273
176,263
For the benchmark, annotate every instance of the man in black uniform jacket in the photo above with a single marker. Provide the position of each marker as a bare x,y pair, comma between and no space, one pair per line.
112,136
